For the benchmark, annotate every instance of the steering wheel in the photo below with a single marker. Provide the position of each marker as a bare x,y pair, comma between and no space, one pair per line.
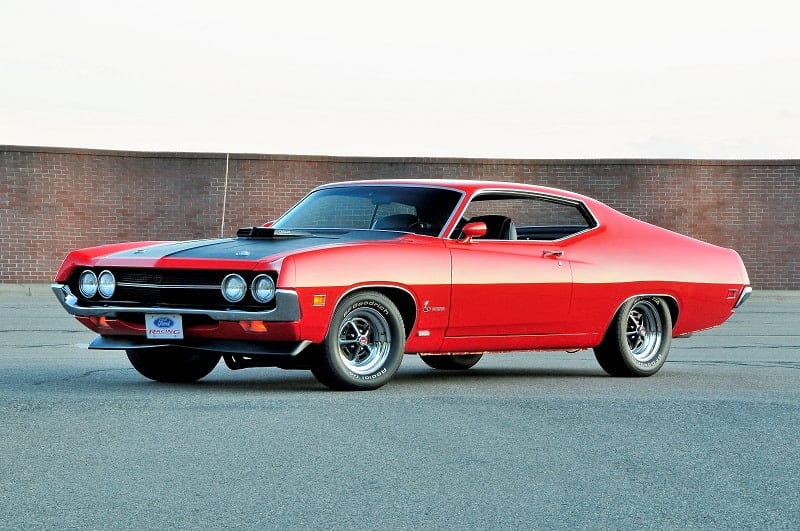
421,225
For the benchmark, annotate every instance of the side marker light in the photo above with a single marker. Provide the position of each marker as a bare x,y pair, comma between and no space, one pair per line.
254,326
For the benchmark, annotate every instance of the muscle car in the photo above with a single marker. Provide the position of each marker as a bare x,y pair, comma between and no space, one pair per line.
358,274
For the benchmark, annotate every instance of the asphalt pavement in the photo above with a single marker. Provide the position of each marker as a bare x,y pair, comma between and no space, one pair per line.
529,440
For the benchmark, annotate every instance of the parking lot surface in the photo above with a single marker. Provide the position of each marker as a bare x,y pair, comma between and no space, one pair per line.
519,441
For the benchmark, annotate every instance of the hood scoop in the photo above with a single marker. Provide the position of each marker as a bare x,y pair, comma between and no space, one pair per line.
270,233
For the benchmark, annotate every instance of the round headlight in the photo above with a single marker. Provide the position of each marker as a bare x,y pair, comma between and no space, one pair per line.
106,284
234,288
87,284
263,288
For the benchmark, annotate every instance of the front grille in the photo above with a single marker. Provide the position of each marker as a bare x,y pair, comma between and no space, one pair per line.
170,277
163,288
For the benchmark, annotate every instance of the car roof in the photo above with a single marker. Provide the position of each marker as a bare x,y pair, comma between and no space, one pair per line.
468,186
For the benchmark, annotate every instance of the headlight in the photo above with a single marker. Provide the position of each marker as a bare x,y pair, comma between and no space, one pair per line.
87,284
234,288
106,284
263,288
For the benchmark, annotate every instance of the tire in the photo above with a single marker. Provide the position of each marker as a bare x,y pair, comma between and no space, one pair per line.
173,365
450,362
638,340
364,345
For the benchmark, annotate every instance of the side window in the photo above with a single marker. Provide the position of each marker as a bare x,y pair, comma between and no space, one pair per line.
531,217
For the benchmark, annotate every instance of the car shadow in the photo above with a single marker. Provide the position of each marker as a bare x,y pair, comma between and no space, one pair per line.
475,374
278,380
420,377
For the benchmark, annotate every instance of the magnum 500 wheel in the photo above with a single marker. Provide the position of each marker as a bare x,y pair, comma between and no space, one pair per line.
364,345
173,365
638,340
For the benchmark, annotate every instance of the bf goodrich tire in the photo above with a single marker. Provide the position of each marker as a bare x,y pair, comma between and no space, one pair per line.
637,342
364,346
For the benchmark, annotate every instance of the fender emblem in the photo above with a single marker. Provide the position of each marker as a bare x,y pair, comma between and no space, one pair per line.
427,308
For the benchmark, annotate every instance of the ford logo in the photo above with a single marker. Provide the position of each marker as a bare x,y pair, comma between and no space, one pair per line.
164,322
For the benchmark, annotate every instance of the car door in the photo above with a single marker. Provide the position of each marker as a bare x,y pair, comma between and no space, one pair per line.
508,288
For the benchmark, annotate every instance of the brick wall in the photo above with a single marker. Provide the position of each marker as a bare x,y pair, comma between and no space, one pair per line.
54,200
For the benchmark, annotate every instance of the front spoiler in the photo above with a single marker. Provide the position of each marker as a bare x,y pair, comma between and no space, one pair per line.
287,308
221,346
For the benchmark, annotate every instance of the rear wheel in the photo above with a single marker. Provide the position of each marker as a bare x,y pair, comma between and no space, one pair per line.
173,365
638,340
451,362
364,345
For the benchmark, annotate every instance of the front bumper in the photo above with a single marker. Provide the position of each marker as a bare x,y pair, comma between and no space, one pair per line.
221,346
287,308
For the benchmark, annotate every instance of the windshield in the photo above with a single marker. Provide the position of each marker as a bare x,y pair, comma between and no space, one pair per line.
380,207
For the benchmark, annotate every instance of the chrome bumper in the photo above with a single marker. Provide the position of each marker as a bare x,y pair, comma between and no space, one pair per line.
287,308
743,296
220,346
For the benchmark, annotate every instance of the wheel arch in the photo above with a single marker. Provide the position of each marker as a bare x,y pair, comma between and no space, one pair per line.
402,298
670,300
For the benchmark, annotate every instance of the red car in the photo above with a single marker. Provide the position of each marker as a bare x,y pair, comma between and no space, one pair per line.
358,274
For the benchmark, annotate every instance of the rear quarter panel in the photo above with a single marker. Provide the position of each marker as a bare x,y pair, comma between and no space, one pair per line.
625,257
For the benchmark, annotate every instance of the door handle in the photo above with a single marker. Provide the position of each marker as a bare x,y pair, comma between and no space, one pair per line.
554,253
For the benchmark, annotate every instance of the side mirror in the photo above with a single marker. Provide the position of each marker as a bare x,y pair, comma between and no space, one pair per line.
473,230
268,223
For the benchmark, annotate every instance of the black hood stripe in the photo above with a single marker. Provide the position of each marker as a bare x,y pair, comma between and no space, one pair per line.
250,248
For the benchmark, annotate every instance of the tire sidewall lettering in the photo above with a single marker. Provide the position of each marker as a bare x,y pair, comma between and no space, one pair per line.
368,303
367,377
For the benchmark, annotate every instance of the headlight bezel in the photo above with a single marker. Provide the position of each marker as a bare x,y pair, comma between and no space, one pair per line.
105,274
88,290
242,288
255,288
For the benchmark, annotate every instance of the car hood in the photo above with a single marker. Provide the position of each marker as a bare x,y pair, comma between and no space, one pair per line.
250,248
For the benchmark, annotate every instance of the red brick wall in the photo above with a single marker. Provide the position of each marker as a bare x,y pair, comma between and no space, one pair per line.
53,200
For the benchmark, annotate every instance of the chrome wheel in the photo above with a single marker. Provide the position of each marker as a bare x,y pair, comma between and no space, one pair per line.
365,340
638,339
644,331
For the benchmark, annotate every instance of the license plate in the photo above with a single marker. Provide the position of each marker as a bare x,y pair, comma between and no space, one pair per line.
163,326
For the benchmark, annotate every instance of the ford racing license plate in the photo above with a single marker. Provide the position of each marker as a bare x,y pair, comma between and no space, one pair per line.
163,326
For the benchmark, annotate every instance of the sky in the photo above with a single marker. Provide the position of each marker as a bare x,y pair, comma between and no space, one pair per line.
555,79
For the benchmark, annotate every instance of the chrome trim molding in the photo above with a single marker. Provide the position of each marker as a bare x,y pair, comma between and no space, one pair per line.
287,308
396,185
743,296
544,197
166,286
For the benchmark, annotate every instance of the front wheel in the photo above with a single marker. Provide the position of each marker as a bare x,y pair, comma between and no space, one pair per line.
638,340
364,345
451,362
173,365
